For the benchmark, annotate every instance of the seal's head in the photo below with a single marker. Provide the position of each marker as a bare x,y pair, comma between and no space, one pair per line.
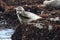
19,10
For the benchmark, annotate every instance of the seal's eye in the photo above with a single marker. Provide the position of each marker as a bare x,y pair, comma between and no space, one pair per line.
19,10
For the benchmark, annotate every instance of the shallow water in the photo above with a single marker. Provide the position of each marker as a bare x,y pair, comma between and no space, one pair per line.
5,34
